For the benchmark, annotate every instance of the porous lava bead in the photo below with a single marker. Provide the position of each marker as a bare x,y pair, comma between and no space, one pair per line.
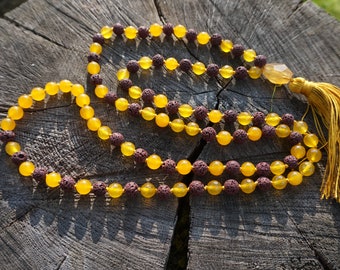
241,73
157,60
258,119
232,167
147,95
263,183
99,188
39,174
98,38
96,79
260,61
287,119
268,132
231,187
191,35
237,50
212,70
230,116
118,29
143,32
201,112
7,136
163,191
169,166
168,29
140,155
263,169
131,189
199,168
185,65
240,136
134,109
93,57
295,138
196,187
110,97
216,39
132,66
291,161
19,157
116,139
67,183
125,84
209,134
172,106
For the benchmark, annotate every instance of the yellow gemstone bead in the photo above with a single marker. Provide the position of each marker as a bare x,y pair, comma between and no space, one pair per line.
52,88
254,134
127,149
180,31
244,118
277,73
7,124
224,137
145,62
314,155
184,167
214,187
226,72
216,167
15,112
77,89
153,162
53,179
104,132
156,30
248,186
249,55
279,182
254,72
277,167
298,151
26,168
101,90
162,120
93,68
215,116
122,74
248,168
93,124
192,129
203,38
226,45
179,190
135,92
122,104
148,190
177,125
106,32
160,101
282,131
198,68
65,86
86,112
83,100
300,126
171,64
311,140
294,178
130,32
115,190
25,101
12,147
148,113
273,119
38,94
83,186
185,110
96,48
306,168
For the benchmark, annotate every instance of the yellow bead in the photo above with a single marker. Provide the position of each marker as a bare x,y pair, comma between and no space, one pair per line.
104,132
135,92
122,74
52,88
311,140
96,48
298,151
224,137
77,89
86,112
93,124
279,182
248,169
277,167
25,101
184,167
177,125
282,131
180,31
171,64
226,45
248,186
106,32
115,190
198,68
179,190
254,134
145,62
12,147
65,86
15,112
127,149
300,126
83,100
192,129
216,167
153,162
254,72
7,124
314,155
273,119
249,55
122,104
162,120
93,68
160,101
53,179
306,168
148,113
130,32
294,178
214,187
101,90
203,38
226,72
83,186
277,73
26,168
244,118
185,110
148,190
156,30
38,94
215,116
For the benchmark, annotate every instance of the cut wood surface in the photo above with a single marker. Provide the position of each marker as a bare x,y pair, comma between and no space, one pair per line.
44,41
